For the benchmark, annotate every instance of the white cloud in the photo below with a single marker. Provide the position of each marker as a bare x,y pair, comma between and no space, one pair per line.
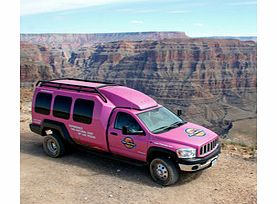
145,11
178,11
125,10
29,7
131,10
243,3
136,22
198,24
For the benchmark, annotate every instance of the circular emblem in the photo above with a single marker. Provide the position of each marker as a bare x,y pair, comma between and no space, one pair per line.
128,142
195,132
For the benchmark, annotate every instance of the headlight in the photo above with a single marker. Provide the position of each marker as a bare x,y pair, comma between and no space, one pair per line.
186,153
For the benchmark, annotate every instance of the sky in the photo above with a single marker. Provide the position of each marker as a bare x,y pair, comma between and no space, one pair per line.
198,18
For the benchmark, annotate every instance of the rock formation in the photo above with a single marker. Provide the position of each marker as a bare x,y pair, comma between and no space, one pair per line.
213,81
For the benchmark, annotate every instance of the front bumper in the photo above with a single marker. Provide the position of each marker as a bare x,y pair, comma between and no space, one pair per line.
196,164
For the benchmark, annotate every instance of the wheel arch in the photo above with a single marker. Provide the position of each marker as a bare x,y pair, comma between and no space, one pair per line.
58,128
154,152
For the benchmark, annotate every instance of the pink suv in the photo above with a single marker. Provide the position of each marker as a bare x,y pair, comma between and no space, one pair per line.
111,119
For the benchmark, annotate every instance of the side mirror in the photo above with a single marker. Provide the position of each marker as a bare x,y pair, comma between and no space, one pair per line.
126,131
179,112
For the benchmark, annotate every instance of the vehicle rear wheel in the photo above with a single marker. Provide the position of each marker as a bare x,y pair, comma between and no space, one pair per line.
53,146
164,171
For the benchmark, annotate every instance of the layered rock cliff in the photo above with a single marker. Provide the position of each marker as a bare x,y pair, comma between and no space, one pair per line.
213,81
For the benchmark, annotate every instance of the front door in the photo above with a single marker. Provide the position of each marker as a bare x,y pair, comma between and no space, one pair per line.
129,145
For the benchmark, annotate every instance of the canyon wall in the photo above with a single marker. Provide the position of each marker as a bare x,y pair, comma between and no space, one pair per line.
212,80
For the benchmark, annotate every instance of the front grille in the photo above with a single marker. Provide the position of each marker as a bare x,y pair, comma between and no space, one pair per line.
209,147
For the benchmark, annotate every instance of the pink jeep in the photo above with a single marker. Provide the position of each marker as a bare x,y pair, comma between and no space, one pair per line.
111,119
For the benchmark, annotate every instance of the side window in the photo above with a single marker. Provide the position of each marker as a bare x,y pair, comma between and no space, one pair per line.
124,119
83,110
43,103
62,106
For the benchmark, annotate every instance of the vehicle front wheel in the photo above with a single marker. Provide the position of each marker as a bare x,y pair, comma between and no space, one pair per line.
164,171
53,146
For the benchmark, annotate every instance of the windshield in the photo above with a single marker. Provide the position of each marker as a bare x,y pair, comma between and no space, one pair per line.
160,120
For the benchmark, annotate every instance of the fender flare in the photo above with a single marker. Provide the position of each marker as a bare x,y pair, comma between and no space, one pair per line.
154,151
57,126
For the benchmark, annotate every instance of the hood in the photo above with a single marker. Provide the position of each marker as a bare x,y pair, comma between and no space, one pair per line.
189,134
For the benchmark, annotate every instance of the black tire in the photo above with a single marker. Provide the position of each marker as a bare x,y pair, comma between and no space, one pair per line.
164,171
53,146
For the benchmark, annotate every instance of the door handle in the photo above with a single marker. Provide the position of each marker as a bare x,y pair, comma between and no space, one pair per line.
113,133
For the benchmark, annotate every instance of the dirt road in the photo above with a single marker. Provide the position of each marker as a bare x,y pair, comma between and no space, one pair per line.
81,177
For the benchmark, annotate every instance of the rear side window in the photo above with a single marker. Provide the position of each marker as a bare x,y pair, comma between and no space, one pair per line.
43,103
62,106
83,110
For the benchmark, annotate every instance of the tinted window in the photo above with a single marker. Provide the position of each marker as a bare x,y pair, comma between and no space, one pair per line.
124,119
43,103
83,110
62,106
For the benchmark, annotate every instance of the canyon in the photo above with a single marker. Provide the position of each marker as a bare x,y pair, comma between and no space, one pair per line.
213,81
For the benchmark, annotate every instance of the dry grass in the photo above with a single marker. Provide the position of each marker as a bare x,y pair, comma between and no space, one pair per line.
239,149
26,94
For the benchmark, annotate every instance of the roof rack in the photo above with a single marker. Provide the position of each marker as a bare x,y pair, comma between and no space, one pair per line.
93,81
78,88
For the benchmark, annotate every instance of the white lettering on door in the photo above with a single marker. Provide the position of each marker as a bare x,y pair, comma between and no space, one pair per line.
81,132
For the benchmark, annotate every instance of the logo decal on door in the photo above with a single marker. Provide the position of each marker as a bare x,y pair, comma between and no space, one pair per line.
128,142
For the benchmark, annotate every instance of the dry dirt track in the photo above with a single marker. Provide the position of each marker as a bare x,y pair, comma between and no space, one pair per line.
81,177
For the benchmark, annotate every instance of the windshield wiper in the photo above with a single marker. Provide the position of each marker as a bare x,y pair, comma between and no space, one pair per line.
177,124
173,125
161,129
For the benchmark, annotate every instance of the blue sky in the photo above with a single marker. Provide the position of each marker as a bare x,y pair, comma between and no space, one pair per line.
195,17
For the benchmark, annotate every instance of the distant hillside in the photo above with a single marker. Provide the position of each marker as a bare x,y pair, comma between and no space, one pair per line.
77,40
242,38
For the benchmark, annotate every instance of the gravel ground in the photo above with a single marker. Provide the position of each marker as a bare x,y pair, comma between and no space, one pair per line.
81,177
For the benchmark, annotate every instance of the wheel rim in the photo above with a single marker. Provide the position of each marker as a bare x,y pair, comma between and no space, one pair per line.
160,171
52,146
